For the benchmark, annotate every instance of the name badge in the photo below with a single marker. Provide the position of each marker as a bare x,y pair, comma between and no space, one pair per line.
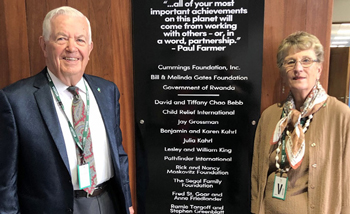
280,187
84,176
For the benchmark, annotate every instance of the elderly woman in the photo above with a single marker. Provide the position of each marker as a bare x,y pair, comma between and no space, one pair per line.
301,161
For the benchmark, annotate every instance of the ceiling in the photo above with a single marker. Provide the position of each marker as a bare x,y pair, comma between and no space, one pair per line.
340,35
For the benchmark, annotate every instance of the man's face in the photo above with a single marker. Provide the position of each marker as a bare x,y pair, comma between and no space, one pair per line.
68,49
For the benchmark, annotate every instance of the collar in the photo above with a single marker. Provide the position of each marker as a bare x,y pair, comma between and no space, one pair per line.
61,87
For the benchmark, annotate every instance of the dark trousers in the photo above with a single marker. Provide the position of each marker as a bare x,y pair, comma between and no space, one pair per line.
101,204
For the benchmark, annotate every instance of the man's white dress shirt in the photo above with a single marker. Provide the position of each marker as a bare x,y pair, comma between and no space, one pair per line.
102,156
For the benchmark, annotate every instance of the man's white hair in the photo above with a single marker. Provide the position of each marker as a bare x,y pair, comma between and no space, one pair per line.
65,10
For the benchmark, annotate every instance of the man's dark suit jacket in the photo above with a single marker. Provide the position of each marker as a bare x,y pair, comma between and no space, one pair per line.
34,169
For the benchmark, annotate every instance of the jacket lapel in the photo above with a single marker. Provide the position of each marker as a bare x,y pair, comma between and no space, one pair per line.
47,109
105,104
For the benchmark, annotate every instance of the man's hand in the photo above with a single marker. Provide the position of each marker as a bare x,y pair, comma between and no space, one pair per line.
131,210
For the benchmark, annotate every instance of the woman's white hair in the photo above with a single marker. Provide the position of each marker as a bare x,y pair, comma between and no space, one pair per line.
65,10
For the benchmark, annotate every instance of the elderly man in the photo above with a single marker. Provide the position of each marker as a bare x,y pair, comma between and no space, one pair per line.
60,143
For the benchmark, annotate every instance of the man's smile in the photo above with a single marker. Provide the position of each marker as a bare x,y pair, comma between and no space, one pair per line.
70,58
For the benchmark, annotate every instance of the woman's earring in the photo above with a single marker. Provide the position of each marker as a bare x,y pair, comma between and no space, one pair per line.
282,89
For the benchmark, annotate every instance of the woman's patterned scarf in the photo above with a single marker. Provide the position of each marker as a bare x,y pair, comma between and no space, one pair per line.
291,121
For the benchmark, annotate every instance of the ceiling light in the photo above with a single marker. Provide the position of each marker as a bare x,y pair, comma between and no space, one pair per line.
342,38
343,32
340,43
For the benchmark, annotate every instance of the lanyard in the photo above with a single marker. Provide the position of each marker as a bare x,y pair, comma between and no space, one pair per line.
283,154
72,130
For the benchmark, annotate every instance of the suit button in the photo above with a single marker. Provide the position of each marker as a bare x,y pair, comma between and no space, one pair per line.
69,210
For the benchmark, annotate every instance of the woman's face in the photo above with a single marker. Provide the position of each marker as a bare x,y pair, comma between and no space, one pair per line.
301,78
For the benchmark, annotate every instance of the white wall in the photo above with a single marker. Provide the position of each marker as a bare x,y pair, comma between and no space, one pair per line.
341,11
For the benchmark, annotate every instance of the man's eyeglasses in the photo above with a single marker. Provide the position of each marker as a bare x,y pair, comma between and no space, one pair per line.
306,62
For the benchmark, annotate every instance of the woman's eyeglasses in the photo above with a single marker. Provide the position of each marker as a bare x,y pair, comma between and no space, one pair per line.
305,62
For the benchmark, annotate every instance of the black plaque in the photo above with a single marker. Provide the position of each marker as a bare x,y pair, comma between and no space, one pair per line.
197,75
